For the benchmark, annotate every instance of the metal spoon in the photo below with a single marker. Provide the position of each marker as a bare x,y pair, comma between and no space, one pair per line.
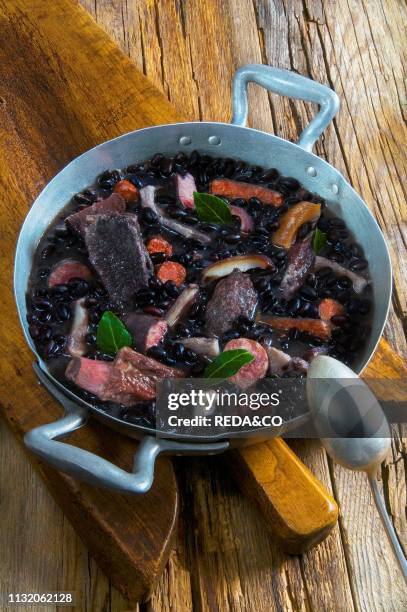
352,427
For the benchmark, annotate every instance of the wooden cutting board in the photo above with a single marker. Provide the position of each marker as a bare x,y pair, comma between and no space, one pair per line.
65,87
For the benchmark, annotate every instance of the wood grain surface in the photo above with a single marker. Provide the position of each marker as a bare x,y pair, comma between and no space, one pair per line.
227,560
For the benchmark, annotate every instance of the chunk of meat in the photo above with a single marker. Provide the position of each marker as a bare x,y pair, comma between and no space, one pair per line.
79,221
253,371
66,269
291,221
182,304
234,296
246,221
280,362
146,330
314,327
202,346
171,271
185,188
127,190
329,308
77,336
89,374
237,189
359,282
117,252
132,377
158,244
300,261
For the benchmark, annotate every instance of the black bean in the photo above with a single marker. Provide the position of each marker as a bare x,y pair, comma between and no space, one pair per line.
254,205
62,312
294,305
344,282
43,305
231,334
190,219
78,288
34,330
355,250
287,183
166,167
278,310
43,272
171,289
269,175
45,334
273,226
157,352
44,316
48,251
108,179
144,297
232,238
311,280
190,356
51,349
358,264
239,202
178,350
338,257
158,258
60,339
261,231
90,339
149,217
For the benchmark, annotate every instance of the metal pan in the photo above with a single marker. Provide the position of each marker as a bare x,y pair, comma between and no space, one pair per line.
220,139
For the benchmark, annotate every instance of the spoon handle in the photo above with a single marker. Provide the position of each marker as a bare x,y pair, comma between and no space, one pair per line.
388,525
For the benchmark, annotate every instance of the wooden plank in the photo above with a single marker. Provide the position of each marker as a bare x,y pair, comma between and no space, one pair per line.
40,550
310,37
56,103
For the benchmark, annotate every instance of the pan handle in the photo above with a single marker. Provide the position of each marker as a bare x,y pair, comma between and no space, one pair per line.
88,467
292,85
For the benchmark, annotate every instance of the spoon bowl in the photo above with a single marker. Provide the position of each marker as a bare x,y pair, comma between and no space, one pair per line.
352,427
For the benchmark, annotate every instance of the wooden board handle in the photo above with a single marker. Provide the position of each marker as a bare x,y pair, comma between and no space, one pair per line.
299,510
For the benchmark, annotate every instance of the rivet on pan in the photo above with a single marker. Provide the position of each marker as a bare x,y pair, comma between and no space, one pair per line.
311,171
335,188
185,140
214,140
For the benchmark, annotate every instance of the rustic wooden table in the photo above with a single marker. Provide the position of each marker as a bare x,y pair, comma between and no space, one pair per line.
225,559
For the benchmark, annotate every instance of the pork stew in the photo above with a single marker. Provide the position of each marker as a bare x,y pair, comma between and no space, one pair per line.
158,268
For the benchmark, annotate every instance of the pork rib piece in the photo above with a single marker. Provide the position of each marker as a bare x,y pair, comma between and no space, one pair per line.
186,187
117,252
64,270
234,296
132,377
146,330
300,261
79,329
79,221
